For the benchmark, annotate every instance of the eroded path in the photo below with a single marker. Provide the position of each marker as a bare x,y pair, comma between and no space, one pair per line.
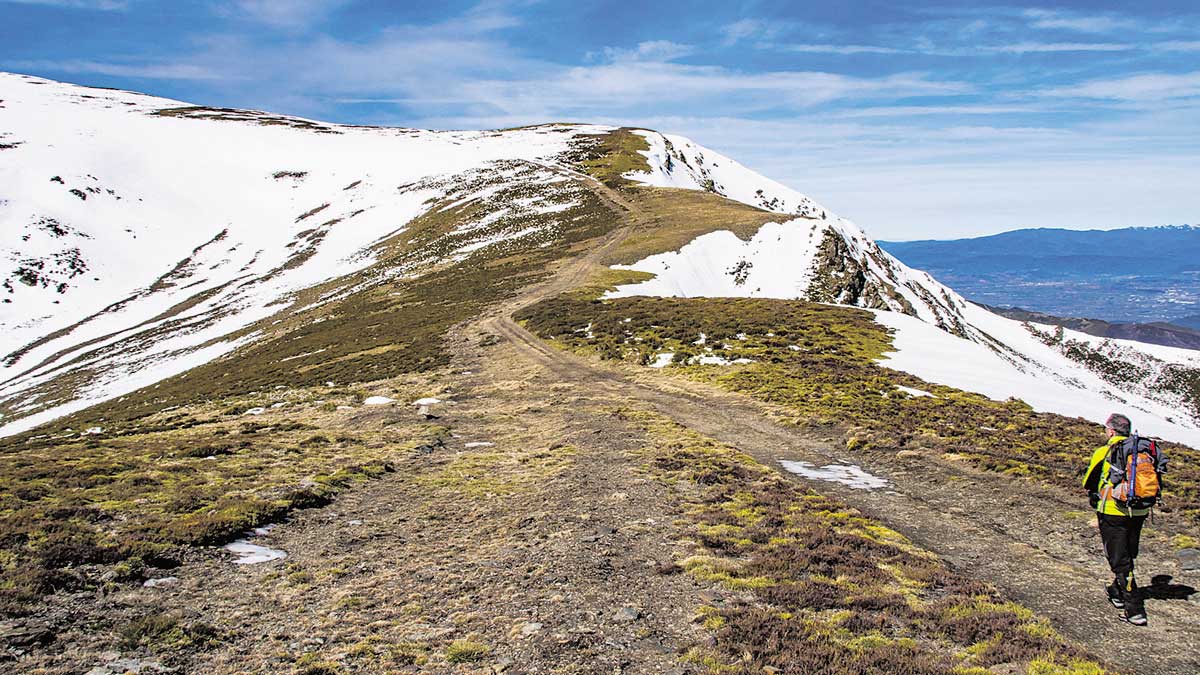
1038,548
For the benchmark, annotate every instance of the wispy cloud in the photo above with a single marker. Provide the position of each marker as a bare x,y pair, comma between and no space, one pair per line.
284,14
1082,23
1147,87
103,5
652,50
831,49
155,71
1178,46
1036,47
745,29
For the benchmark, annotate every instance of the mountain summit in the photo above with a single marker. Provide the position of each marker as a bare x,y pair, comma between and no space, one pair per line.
146,237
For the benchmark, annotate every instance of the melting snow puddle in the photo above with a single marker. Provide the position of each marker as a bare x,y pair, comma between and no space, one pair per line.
250,553
846,474
378,400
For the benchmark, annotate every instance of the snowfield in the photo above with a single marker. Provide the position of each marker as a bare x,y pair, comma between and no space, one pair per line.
140,243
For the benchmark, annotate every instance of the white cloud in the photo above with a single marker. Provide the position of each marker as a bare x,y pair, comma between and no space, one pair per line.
104,5
635,87
653,50
832,49
746,28
1082,23
286,14
1177,46
930,110
1034,47
156,71
1146,87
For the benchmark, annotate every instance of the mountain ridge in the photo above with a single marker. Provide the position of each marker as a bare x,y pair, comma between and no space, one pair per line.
483,440
1126,275
314,215
1166,334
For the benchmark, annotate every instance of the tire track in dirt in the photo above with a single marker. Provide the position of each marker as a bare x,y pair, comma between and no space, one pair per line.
1021,537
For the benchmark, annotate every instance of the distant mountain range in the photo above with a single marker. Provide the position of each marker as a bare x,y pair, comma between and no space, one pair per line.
1130,275
1157,333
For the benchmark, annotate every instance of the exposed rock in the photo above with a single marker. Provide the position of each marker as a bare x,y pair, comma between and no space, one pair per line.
1189,559
627,614
26,635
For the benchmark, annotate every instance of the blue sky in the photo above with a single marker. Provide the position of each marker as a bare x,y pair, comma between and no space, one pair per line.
933,119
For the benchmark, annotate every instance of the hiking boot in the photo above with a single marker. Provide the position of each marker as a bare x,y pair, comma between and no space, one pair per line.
1114,596
1138,619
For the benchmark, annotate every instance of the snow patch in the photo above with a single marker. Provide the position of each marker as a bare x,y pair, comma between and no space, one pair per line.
914,392
663,360
845,474
783,255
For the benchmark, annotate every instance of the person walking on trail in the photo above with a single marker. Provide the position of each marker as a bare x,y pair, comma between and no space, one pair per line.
1119,521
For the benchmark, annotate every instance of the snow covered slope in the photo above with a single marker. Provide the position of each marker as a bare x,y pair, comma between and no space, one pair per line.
140,235
941,337
810,253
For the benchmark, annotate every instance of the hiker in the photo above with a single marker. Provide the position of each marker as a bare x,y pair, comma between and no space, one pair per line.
1121,510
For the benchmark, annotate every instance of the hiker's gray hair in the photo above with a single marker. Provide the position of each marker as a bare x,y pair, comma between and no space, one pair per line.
1118,423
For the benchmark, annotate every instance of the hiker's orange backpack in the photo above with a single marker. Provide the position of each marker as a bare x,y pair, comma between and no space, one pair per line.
1135,468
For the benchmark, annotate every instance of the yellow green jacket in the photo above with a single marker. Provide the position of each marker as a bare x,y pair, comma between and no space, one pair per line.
1096,480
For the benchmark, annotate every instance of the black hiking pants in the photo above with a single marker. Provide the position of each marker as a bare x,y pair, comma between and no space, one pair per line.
1121,536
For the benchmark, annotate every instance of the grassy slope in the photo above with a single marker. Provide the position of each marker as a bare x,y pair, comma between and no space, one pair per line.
178,464
833,591
818,361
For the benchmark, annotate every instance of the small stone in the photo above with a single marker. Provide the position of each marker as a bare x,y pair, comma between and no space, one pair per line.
27,636
164,582
1189,559
531,628
627,614
906,454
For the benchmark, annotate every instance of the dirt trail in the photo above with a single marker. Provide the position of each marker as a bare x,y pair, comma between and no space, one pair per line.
1038,548
531,531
